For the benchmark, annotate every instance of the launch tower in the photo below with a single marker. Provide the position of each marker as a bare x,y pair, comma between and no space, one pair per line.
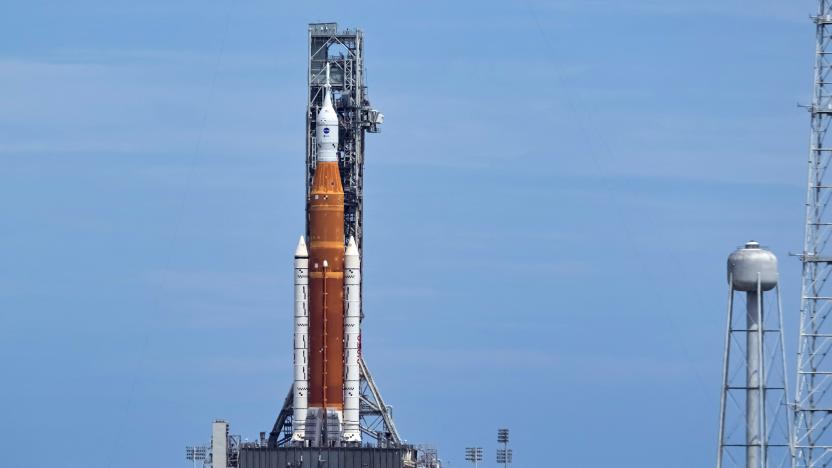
344,52
336,66
333,414
813,398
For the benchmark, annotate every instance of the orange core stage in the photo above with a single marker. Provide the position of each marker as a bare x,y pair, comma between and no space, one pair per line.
326,288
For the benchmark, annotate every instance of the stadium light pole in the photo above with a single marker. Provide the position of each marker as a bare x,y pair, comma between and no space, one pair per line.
473,455
504,454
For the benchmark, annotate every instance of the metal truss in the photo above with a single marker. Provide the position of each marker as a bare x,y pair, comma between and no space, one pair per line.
813,398
344,51
376,417
755,418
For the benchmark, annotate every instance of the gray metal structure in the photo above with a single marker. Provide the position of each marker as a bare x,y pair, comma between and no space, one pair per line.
813,397
328,457
344,51
504,454
196,453
428,457
473,455
755,427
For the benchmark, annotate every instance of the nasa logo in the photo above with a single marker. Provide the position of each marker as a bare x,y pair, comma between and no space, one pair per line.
326,130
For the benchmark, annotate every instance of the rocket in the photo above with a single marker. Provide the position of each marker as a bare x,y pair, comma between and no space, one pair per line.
300,388
352,341
327,305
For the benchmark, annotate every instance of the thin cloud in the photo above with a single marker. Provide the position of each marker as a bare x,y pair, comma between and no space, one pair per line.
770,9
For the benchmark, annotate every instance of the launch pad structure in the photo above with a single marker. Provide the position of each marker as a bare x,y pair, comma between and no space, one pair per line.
333,414
343,52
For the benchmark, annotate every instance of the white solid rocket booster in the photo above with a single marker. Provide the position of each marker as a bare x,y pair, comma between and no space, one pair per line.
301,325
352,336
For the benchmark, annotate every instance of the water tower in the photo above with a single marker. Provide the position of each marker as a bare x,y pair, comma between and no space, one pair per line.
755,426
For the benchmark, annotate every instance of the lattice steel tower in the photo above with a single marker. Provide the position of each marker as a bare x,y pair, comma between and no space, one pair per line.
343,51
813,399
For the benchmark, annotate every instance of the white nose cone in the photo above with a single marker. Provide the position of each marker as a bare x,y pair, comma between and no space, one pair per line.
352,249
301,251
326,127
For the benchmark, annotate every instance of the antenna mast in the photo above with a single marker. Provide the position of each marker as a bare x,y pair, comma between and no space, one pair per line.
813,399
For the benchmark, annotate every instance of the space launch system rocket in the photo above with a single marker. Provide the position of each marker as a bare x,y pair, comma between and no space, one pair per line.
327,305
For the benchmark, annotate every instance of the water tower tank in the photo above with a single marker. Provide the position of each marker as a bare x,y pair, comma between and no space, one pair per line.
745,264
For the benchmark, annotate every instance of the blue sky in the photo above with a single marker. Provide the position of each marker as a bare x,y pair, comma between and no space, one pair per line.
548,211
